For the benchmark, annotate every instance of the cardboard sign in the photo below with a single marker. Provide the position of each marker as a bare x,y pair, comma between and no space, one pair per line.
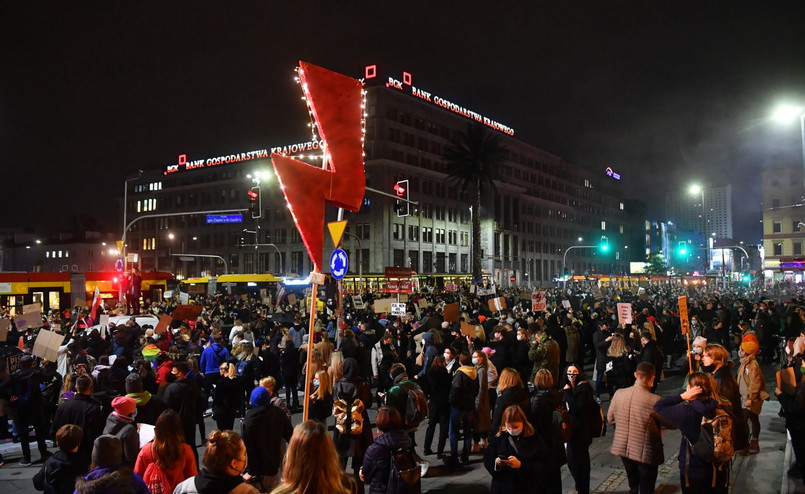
397,309
450,287
13,362
104,320
35,307
292,299
47,345
357,302
684,321
382,306
566,304
186,312
5,326
423,303
29,320
450,312
467,329
163,324
624,313
538,301
485,291
497,304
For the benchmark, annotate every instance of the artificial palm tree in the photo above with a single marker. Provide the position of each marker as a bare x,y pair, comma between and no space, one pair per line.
472,161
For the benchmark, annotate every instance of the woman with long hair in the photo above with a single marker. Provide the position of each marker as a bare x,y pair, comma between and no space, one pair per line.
377,461
482,419
336,367
350,388
511,392
578,394
685,412
439,382
620,367
228,397
546,400
224,461
515,455
168,452
321,400
311,464
716,361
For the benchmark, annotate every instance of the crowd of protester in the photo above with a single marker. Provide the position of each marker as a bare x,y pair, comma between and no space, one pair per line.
126,405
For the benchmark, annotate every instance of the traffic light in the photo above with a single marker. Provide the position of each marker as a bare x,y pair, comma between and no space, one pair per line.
604,245
403,208
682,248
747,278
255,202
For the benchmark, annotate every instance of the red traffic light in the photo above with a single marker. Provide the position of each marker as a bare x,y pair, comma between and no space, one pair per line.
253,195
400,190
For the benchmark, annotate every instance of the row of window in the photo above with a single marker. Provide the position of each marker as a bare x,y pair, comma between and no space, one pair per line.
777,226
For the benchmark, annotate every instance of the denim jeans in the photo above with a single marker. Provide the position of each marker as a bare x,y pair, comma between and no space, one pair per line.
459,419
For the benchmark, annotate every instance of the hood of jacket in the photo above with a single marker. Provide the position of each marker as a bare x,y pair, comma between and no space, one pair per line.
210,483
469,371
62,463
104,479
142,399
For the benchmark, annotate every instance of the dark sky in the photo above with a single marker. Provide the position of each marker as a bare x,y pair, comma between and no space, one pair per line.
667,93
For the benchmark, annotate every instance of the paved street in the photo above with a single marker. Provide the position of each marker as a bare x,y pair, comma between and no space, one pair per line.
761,473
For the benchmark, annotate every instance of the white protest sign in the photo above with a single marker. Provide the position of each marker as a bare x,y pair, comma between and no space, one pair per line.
624,313
357,301
566,304
397,309
538,301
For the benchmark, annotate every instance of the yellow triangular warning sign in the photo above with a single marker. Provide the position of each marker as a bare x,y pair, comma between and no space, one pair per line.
337,231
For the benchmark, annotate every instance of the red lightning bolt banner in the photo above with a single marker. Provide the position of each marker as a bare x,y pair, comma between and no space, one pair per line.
335,101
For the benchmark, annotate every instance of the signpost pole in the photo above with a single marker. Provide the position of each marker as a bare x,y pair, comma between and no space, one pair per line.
314,298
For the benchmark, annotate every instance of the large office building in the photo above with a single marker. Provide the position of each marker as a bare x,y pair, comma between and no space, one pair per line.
544,213
707,210
783,222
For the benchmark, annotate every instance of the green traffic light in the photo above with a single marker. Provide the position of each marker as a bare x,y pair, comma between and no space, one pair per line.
682,252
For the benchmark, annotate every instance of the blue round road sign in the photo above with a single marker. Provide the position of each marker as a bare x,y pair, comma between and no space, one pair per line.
339,263
119,265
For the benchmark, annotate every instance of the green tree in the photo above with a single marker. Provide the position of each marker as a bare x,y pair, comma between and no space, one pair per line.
656,264
472,161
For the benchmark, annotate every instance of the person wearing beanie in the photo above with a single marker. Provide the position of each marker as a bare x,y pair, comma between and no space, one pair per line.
120,423
696,352
266,431
109,475
149,406
752,386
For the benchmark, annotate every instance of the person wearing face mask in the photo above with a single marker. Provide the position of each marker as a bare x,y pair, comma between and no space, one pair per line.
522,363
516,455
450,361
578,395
716,361
121,423
752,386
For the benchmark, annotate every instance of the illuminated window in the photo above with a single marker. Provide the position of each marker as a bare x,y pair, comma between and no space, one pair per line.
621,205
47,254
603,225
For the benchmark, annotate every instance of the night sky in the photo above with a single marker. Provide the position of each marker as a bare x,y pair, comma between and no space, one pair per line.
667,93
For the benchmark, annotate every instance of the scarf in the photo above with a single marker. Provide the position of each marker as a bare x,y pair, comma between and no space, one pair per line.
142,399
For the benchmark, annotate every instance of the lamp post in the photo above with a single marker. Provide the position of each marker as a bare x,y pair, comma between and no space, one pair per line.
785,114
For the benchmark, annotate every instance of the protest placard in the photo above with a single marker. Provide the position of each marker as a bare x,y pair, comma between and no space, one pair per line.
47,345
397,309
163,324
29,320
35,307
624,313
5,326
382,305
450,312
186,312
497,304
467,329
357,302
538,301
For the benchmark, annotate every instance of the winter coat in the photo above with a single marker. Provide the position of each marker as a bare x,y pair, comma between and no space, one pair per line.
126,431
439,382
483,413
531,452
349,388
580,404
522,363
118,479
464,389
265,430
209,483
728,389
601,347
752,384
545,355
543,404
59,473
622,373
573,343
637,433
212,357
652,354
687,417
184,467
149,407
377,459
85,412
514,395
228,397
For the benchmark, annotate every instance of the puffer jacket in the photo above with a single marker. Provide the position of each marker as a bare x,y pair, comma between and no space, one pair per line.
464,389
637,433
376,461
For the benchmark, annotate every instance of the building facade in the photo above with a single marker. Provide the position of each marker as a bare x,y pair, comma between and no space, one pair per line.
783,221
542,206
708,211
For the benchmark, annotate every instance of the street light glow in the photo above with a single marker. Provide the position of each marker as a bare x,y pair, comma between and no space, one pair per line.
695,189
788,113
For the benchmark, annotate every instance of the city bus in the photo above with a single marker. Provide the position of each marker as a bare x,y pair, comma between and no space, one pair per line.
253,285
64,290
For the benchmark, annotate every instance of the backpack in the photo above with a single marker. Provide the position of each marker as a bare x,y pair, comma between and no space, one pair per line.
715,438
562,424
155,479
404,472
598,425
240,368
416,406
344,413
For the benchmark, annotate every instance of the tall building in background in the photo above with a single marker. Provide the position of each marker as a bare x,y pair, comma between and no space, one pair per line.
783,222
708,210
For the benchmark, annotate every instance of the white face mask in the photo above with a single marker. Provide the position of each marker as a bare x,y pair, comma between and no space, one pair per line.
474,360
514,432
447,357
315,382
520,337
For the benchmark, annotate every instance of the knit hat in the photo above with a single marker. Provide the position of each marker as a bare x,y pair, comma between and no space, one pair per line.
481,319
445,325
134,384
699,341
124,405
750,345
259,397
107,450
488,351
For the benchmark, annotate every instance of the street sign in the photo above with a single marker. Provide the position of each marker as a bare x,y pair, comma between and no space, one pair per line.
397,272
119,265
339,263
337,229
187,258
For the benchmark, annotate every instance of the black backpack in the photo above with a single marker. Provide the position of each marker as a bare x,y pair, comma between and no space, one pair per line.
405,474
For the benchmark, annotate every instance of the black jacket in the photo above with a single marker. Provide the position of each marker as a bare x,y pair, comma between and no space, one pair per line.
439,382
464,389
514,395
543,404
377,460
182,396
84,412
532,455
652,354
265,430
58,474
582,407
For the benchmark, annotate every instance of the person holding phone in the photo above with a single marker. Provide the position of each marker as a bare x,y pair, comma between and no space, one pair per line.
516,455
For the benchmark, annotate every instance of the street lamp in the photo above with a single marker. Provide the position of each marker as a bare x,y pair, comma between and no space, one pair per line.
787,113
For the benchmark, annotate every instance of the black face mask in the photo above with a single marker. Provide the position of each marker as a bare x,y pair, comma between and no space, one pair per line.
708,368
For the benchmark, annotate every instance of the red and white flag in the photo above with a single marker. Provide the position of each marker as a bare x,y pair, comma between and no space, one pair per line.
96,305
